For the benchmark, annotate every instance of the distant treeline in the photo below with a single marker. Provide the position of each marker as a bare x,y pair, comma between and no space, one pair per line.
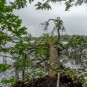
63,37
68,37
23,38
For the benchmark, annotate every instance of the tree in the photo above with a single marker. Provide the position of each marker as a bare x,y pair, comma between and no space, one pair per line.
54,43
46,3
10,27
28,56
75,49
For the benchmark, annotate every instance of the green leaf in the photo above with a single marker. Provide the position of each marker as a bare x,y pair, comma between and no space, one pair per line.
4,67
10,80
85,84
30,1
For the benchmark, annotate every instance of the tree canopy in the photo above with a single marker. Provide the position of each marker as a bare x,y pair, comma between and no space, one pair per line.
45,4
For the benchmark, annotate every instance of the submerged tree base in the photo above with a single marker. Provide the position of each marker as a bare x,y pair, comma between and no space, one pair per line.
48,81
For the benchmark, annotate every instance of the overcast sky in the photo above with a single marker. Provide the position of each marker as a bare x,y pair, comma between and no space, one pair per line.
75,20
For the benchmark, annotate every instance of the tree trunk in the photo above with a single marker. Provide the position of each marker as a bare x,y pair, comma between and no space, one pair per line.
23,72
24,57
53,60
16,72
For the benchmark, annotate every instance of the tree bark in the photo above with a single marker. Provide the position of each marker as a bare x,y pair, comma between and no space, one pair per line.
53,60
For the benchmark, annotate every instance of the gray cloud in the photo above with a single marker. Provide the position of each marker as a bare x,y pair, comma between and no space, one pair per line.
74,20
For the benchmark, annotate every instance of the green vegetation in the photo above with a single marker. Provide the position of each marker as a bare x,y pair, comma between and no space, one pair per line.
34,59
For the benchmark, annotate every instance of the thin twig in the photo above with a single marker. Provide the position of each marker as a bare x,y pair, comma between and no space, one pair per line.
58,80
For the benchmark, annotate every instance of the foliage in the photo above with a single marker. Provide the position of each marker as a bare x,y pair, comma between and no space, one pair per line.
11,26
46,3
4,67
10,80
32,58
76,49
75,75
46,38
